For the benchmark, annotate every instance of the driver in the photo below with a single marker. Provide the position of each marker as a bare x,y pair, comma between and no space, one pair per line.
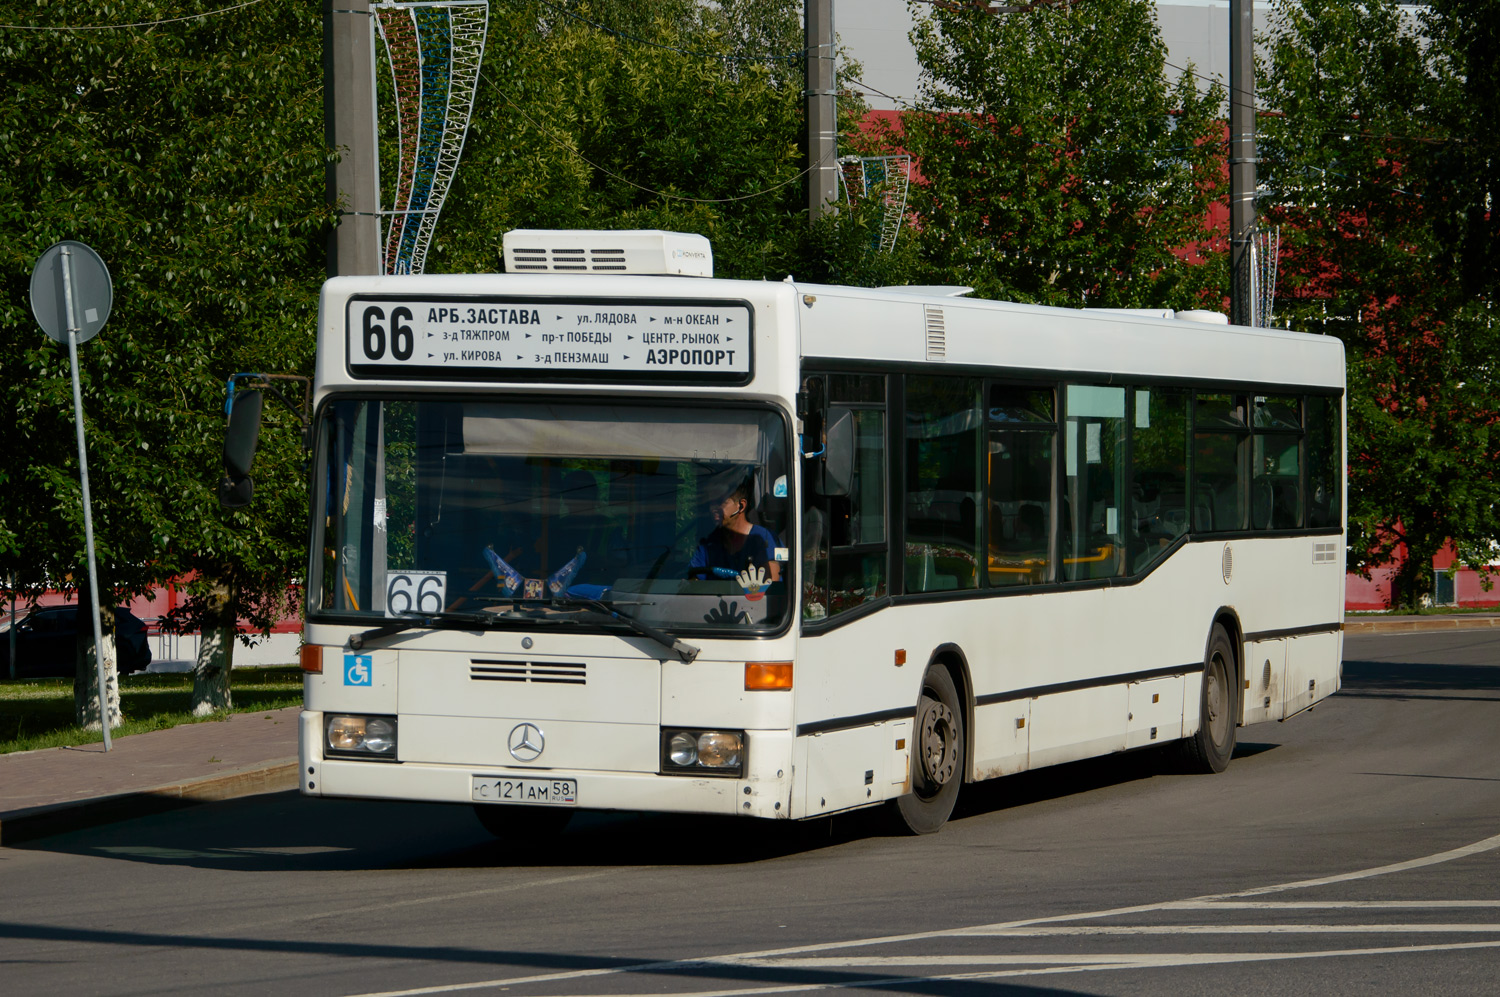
735,543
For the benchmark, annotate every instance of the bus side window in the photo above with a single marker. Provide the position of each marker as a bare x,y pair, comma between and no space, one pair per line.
1275,463
1019,483
844,537
1324,467
1158,482
1221,453
944,421
1094,480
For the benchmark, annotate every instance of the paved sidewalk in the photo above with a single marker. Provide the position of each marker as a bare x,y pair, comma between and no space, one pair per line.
63,789
1380,624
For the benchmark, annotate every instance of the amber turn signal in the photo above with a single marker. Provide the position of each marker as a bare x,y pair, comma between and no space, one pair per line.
768,675
311,658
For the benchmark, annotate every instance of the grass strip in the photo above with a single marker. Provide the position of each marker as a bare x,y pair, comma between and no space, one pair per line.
38,713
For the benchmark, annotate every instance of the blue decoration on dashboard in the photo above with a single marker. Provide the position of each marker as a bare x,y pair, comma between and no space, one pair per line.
508,577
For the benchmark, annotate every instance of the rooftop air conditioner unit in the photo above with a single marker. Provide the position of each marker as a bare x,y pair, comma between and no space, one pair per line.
643,251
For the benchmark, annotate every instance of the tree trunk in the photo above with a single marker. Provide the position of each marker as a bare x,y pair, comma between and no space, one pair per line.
86,674
211,692
1412,580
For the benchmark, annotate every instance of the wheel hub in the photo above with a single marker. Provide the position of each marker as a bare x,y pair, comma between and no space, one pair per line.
939,753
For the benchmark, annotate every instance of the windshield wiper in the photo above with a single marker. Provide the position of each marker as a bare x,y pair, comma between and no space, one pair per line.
411,621
686,652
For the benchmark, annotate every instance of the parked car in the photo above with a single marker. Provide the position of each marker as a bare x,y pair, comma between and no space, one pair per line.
47,636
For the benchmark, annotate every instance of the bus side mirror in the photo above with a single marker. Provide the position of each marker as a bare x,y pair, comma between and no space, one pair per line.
240,439
838,456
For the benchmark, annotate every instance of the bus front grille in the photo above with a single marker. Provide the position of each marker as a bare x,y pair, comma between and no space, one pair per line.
547,672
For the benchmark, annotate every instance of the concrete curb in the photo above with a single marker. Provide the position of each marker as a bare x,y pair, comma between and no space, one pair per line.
1421,624
55,818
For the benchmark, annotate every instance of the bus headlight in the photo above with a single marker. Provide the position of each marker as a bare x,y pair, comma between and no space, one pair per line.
682,750
703,752
360,737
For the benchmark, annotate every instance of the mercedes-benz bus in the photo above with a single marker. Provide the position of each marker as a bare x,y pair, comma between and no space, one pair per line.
604,532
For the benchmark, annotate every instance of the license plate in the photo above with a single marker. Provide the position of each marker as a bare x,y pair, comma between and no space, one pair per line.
533,792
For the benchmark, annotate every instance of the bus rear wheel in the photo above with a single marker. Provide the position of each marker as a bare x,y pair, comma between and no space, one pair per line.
513,823
1209,750
937,755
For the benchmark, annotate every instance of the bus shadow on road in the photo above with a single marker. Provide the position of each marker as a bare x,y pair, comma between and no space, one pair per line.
1076,778
286,832
1415,680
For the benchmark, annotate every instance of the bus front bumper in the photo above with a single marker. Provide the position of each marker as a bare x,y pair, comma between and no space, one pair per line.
763,791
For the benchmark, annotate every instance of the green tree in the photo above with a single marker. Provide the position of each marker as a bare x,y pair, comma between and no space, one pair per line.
680,116
1375,188
190,155
1058,164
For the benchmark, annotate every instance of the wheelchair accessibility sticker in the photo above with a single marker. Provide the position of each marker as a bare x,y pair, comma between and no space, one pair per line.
357,670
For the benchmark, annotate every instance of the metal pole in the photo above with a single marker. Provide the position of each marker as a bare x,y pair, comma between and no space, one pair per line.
83,477
1241,158
822,109
349,128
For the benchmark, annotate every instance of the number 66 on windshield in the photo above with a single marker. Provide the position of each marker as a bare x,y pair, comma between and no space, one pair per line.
408,592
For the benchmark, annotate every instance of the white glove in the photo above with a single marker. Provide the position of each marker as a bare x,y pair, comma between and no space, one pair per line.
754,579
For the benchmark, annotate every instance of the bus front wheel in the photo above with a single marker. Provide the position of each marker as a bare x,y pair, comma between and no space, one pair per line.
1209,750
521,823
937,755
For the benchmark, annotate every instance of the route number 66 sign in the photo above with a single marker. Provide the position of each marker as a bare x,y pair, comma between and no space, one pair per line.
408,592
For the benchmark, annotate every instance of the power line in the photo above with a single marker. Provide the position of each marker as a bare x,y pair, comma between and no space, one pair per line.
121,27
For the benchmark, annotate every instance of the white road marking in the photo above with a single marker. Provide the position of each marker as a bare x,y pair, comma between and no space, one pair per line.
1330,904
1206,929
1058,965
1123,961
1488,844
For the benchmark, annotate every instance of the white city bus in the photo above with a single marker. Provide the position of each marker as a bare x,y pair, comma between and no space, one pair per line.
984,538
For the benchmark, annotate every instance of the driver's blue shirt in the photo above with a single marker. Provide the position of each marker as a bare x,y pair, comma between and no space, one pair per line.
758,549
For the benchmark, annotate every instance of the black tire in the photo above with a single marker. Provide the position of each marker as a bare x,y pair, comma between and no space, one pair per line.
515,823
1210,749
937,755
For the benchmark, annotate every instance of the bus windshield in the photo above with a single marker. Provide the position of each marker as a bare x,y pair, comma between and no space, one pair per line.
523,513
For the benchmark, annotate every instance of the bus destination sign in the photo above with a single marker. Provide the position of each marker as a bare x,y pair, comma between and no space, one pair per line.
492,338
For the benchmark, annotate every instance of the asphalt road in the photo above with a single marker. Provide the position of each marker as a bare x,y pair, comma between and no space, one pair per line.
1351,850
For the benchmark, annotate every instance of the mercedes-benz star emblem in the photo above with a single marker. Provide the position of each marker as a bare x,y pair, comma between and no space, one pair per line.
526,742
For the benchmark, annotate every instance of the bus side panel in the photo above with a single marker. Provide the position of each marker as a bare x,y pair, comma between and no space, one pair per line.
848,680
1002,738
1155,711
853,768
1313,670
1067,726
1264,682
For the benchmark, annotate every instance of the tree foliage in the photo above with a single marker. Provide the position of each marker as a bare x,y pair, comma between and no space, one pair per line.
190,155
684,117
1058,165
1379,187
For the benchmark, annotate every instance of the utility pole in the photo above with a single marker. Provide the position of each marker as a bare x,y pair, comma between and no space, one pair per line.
822,109
349,128
1241,157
